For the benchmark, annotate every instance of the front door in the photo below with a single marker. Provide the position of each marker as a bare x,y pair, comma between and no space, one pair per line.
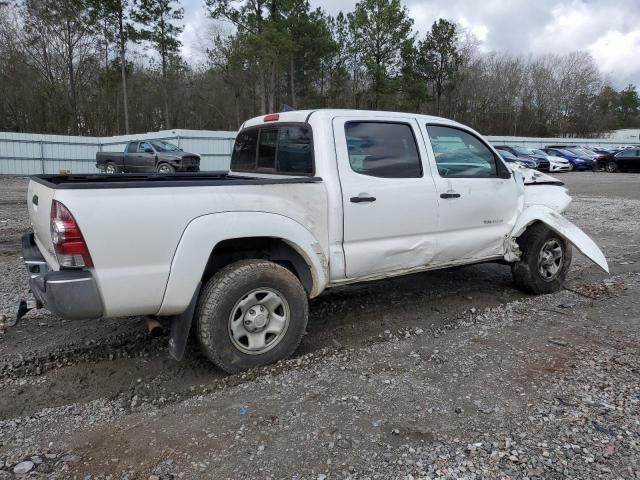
389,198
145,158
478,208
627,159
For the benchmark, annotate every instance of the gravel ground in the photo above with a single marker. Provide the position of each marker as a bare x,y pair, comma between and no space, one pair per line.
439,375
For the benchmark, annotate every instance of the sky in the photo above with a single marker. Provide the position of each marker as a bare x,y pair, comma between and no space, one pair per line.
608,29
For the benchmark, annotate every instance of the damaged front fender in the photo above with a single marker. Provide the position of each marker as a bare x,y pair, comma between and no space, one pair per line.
560,225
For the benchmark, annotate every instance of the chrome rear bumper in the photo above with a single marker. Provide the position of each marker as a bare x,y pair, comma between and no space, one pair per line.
72,294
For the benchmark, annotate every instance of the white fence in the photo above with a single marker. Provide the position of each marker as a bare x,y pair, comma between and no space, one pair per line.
29,154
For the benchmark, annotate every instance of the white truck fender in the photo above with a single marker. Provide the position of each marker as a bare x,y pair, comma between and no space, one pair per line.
203,233
562,227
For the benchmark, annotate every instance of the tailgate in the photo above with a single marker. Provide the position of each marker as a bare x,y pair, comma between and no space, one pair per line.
39,199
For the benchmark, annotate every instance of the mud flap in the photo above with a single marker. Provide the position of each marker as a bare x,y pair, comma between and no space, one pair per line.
181,326
562,227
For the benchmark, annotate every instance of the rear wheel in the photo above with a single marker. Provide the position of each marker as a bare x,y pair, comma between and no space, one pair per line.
251,313
165,168
545,260
110,168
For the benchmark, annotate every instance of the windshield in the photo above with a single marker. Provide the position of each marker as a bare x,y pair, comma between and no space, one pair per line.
579,152
524,151
507,155
162,146
563,152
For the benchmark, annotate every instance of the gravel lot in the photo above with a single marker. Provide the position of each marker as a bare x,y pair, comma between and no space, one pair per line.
451,374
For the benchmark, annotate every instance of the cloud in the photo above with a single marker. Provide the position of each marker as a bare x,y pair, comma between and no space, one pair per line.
608,29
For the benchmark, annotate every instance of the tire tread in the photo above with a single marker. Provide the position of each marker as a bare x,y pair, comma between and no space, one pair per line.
215,292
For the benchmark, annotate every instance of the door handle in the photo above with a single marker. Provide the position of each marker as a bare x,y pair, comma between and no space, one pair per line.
449,195
362,199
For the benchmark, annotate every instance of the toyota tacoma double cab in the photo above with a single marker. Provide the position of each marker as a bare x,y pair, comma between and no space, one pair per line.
148,156
313,200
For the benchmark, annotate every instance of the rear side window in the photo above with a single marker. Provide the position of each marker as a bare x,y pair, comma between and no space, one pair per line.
383,149
133,147
283,149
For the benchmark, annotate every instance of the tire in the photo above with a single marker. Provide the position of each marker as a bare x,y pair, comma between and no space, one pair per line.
572,167
165,168
545,260
110,168
611,167
232,330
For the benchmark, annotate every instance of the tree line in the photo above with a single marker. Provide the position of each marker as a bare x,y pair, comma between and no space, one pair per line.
104,67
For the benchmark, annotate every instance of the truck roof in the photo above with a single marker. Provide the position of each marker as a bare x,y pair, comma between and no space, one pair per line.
303,116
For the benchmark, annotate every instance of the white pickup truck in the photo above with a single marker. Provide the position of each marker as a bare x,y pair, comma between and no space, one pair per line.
313,199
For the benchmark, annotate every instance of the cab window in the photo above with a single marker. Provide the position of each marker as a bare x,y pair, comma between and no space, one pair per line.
383,149
143,147
284,149
459,154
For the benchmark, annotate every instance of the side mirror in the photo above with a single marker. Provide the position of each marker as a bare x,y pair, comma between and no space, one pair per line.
148,150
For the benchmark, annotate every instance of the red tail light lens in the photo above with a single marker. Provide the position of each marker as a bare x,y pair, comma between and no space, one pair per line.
272,117
68,243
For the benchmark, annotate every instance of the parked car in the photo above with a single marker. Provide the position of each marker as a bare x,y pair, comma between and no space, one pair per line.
541,160
556,164
598,150
578,162
509,157
303,209
148,156
623,161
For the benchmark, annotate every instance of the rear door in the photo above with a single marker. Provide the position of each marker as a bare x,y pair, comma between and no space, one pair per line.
478,208
389,198
129,158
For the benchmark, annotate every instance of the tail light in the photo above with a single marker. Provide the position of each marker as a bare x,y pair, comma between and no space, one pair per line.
68,243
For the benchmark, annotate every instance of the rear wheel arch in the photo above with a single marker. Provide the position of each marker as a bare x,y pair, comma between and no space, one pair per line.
273,249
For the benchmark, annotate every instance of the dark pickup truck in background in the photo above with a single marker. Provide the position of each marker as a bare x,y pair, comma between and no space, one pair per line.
148,156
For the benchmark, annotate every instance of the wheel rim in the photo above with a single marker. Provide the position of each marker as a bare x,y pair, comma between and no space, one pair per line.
111,169
550,260
164,169
611,167
259,321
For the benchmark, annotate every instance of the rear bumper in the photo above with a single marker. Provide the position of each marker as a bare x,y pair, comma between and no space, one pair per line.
72,294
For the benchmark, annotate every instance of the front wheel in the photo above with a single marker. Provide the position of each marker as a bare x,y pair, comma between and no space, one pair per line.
251,313
545,260
611,167
165,168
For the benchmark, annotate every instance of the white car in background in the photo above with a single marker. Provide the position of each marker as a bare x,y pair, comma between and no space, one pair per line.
556,164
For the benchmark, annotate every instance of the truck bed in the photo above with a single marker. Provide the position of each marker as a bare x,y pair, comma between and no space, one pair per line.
150,180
